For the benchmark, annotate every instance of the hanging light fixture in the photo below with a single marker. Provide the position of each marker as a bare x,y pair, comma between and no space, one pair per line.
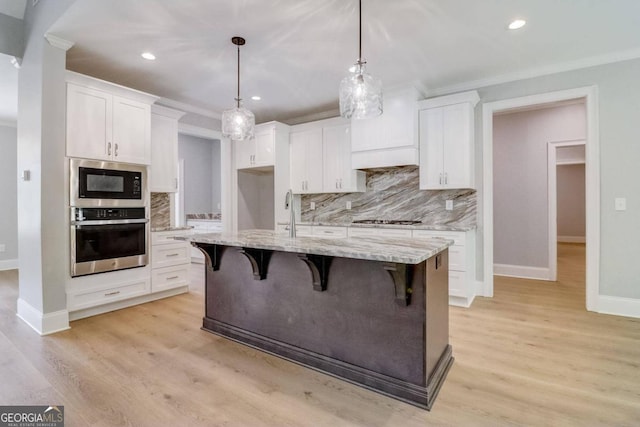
238,123
360,93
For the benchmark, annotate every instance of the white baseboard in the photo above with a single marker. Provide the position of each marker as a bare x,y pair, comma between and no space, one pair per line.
521,271
619,306
43,324
8,264
572,239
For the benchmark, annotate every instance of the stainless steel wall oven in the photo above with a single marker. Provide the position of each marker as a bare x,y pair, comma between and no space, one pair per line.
109,219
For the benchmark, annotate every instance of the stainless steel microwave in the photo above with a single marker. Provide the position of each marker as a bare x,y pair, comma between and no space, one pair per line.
107,184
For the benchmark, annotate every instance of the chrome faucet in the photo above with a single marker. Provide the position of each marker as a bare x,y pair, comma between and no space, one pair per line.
288,204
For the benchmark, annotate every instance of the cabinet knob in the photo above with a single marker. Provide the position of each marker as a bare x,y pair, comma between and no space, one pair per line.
109,149
115,151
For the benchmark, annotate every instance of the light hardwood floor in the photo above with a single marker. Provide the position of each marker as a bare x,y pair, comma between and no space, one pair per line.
531,355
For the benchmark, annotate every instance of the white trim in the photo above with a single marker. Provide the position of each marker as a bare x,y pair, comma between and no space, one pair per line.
523,272
572,239
552,201
471,97
461,301
189,108
592,174
198,131
9,264
43,324
619,306
161,110
113,88
9,123
570,162
537,72
58,42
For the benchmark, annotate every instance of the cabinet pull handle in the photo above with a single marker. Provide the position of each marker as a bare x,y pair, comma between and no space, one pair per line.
115,151
446,178
172,278
176,181
336,183
109,149
168,255
340,182
108,294
440,178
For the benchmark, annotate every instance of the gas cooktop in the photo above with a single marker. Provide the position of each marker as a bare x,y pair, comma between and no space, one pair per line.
387,221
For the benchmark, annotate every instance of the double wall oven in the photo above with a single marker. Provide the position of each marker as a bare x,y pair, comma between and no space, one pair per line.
109,218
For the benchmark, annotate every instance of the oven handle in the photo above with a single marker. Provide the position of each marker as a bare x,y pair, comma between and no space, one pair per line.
111,222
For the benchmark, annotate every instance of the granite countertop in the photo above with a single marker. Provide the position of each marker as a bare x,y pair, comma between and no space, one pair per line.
154,229
423,226
369,248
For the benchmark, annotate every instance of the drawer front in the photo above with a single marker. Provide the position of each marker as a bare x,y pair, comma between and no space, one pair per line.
170,254
79,300
394,232
457,258
458,286
166,237
327,231
169,277
302,230
458,237
362,232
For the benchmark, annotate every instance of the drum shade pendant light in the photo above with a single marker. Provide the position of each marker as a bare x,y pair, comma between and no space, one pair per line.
360,93
238,123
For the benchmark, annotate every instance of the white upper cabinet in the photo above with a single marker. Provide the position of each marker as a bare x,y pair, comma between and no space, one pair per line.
163,173
106,121
258,151
446,141
321,158
389,139
338,176
306,161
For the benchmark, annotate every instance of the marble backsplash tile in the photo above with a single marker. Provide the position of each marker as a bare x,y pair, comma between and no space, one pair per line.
393,194
160,210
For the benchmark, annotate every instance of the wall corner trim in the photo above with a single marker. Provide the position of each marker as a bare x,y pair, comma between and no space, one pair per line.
43,324
619,306
58,42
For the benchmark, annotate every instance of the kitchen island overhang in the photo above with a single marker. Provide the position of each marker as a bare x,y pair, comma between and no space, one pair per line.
368,310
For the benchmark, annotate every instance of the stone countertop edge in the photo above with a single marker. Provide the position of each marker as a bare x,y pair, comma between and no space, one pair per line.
367,248
400,226
157,229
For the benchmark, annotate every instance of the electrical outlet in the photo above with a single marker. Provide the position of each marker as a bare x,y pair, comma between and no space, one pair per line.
448,205
312,206
349,205
3,247
621,204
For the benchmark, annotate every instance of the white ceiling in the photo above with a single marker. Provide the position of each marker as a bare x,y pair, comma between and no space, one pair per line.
297,51
8,89
13,8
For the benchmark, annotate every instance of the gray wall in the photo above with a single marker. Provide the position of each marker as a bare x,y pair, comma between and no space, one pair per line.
571,200
619,108
520,200
201,173
8,193
11,35
255,201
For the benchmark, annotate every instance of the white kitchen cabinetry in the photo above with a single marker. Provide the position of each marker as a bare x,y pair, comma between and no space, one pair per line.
461,263
258,151
306,161
321,158
170,261
329,231
446,141
163,173
338,175
106,121
390,139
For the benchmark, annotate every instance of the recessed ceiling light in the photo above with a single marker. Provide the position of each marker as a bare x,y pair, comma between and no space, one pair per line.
256,98
518,23
148,55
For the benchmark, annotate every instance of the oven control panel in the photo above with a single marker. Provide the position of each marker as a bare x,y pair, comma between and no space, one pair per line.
92,214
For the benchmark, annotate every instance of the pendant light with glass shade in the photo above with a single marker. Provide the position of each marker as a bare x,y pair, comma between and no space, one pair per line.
360,93
238,123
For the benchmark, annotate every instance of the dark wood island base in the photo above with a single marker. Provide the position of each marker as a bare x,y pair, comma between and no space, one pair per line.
383,326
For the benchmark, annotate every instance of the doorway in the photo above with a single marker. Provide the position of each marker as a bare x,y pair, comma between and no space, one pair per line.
589,96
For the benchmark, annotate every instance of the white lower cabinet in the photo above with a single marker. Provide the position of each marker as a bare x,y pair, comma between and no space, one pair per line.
170,261
92,296
462,264
329,231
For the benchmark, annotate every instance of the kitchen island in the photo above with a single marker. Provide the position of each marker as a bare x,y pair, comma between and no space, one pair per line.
368,310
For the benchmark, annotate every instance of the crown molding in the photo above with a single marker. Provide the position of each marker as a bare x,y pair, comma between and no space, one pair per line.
189,108
593,61
58,42
198,131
